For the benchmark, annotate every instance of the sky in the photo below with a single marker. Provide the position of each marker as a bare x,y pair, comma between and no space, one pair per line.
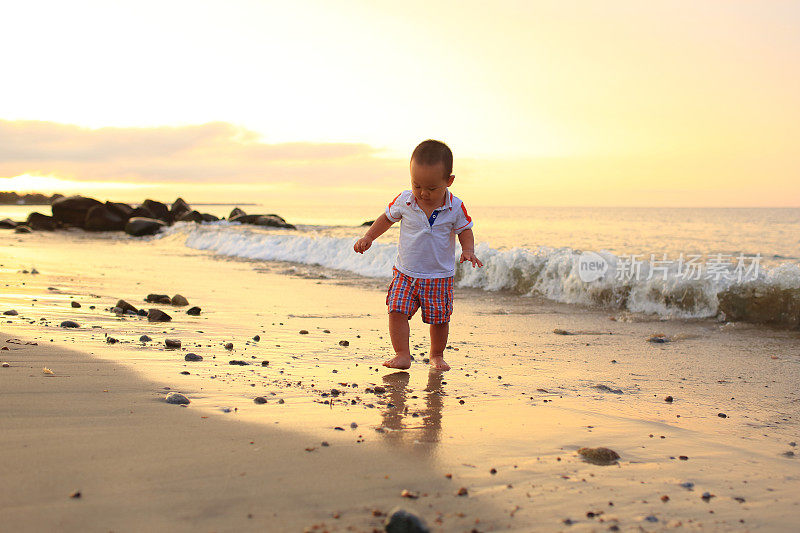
658,103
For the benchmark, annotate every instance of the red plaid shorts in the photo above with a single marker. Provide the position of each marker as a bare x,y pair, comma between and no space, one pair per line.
434,296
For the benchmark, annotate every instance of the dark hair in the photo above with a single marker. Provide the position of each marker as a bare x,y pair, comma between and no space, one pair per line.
432,152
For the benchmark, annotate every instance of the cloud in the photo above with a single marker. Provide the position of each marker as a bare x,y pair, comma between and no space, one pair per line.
204,153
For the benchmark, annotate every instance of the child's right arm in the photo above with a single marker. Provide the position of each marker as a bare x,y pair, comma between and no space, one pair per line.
378,228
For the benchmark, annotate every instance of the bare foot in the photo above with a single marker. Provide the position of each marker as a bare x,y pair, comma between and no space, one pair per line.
401,362
437,362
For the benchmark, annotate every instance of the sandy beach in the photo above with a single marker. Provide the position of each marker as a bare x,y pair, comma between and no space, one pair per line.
339,438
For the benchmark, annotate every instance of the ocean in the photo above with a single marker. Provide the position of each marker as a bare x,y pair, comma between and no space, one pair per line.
735,264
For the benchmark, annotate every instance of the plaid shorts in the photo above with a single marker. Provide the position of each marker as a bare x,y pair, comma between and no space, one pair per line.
434,296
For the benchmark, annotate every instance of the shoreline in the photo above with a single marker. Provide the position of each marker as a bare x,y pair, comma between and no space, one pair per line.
520,399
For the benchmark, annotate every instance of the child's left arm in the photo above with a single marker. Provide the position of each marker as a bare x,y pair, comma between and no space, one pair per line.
467,240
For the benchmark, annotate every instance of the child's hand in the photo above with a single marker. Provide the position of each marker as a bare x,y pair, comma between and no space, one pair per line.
469,255
362,245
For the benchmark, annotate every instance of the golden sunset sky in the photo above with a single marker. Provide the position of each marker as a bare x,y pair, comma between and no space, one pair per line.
656,103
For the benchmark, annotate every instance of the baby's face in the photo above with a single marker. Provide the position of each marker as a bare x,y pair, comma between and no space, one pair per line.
429,184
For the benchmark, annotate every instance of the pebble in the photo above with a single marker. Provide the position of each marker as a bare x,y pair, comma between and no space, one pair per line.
229,346
688,485
10,312
75,305
179,300
264,363
599,456
344,343
378,389
156,315
177,398
6,365
707,496
651,518
69,324
257,338
409,494
606,388
172,343
401,521
144,338
462,491
722,415
194,311
668,399
192,357
303,332
238,362
260,399
185,373
111,340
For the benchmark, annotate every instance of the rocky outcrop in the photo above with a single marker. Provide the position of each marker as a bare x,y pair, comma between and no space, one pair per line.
272,220
7,223
179,209
236,212
158,209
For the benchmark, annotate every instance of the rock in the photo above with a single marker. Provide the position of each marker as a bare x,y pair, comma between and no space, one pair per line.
303,332
606,388
257,338
238,363
69,324
599,456
141,212
344,343
191,216
707,496
668,399
156,315
229,346
368,223
172,343
462,492
40,222
659,338
179,300
111,340
142,312
145,338
192,357
379,389
101,218
6,365
124,211
561,332
271,220
177,398
126,307
260,399
158,209
10,312
264,363
158,299
207,217
401,521
235,213
7,223
75,305
141,226
179,209
194,311
722,415
22,228
72,210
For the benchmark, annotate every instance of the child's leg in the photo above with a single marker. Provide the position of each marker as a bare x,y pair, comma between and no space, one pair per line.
399,332
439,334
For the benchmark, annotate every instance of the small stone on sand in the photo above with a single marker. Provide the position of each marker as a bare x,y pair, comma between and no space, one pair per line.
156,315
144,338
229,346
599,456
303,332
401,521
260,399
344,343
462,491
69,324
10,312
238,362
75,305
179,300
172,343
194,311
192,357
177,398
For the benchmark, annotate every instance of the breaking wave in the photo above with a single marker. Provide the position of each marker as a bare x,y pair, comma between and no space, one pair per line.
761,296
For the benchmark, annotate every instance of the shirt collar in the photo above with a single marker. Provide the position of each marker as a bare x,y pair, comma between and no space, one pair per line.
447,204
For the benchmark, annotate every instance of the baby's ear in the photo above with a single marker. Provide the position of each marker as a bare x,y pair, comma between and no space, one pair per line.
451,179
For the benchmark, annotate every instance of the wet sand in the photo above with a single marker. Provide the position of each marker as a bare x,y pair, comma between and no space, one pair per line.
520,400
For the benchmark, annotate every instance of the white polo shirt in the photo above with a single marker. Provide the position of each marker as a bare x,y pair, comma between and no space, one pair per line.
427,249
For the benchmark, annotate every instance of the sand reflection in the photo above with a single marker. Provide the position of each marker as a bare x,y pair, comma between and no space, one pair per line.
404,420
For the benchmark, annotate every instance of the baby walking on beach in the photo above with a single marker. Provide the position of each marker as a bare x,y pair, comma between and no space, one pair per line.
430,217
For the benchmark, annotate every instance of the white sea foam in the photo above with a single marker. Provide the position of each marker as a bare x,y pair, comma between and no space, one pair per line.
549,272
